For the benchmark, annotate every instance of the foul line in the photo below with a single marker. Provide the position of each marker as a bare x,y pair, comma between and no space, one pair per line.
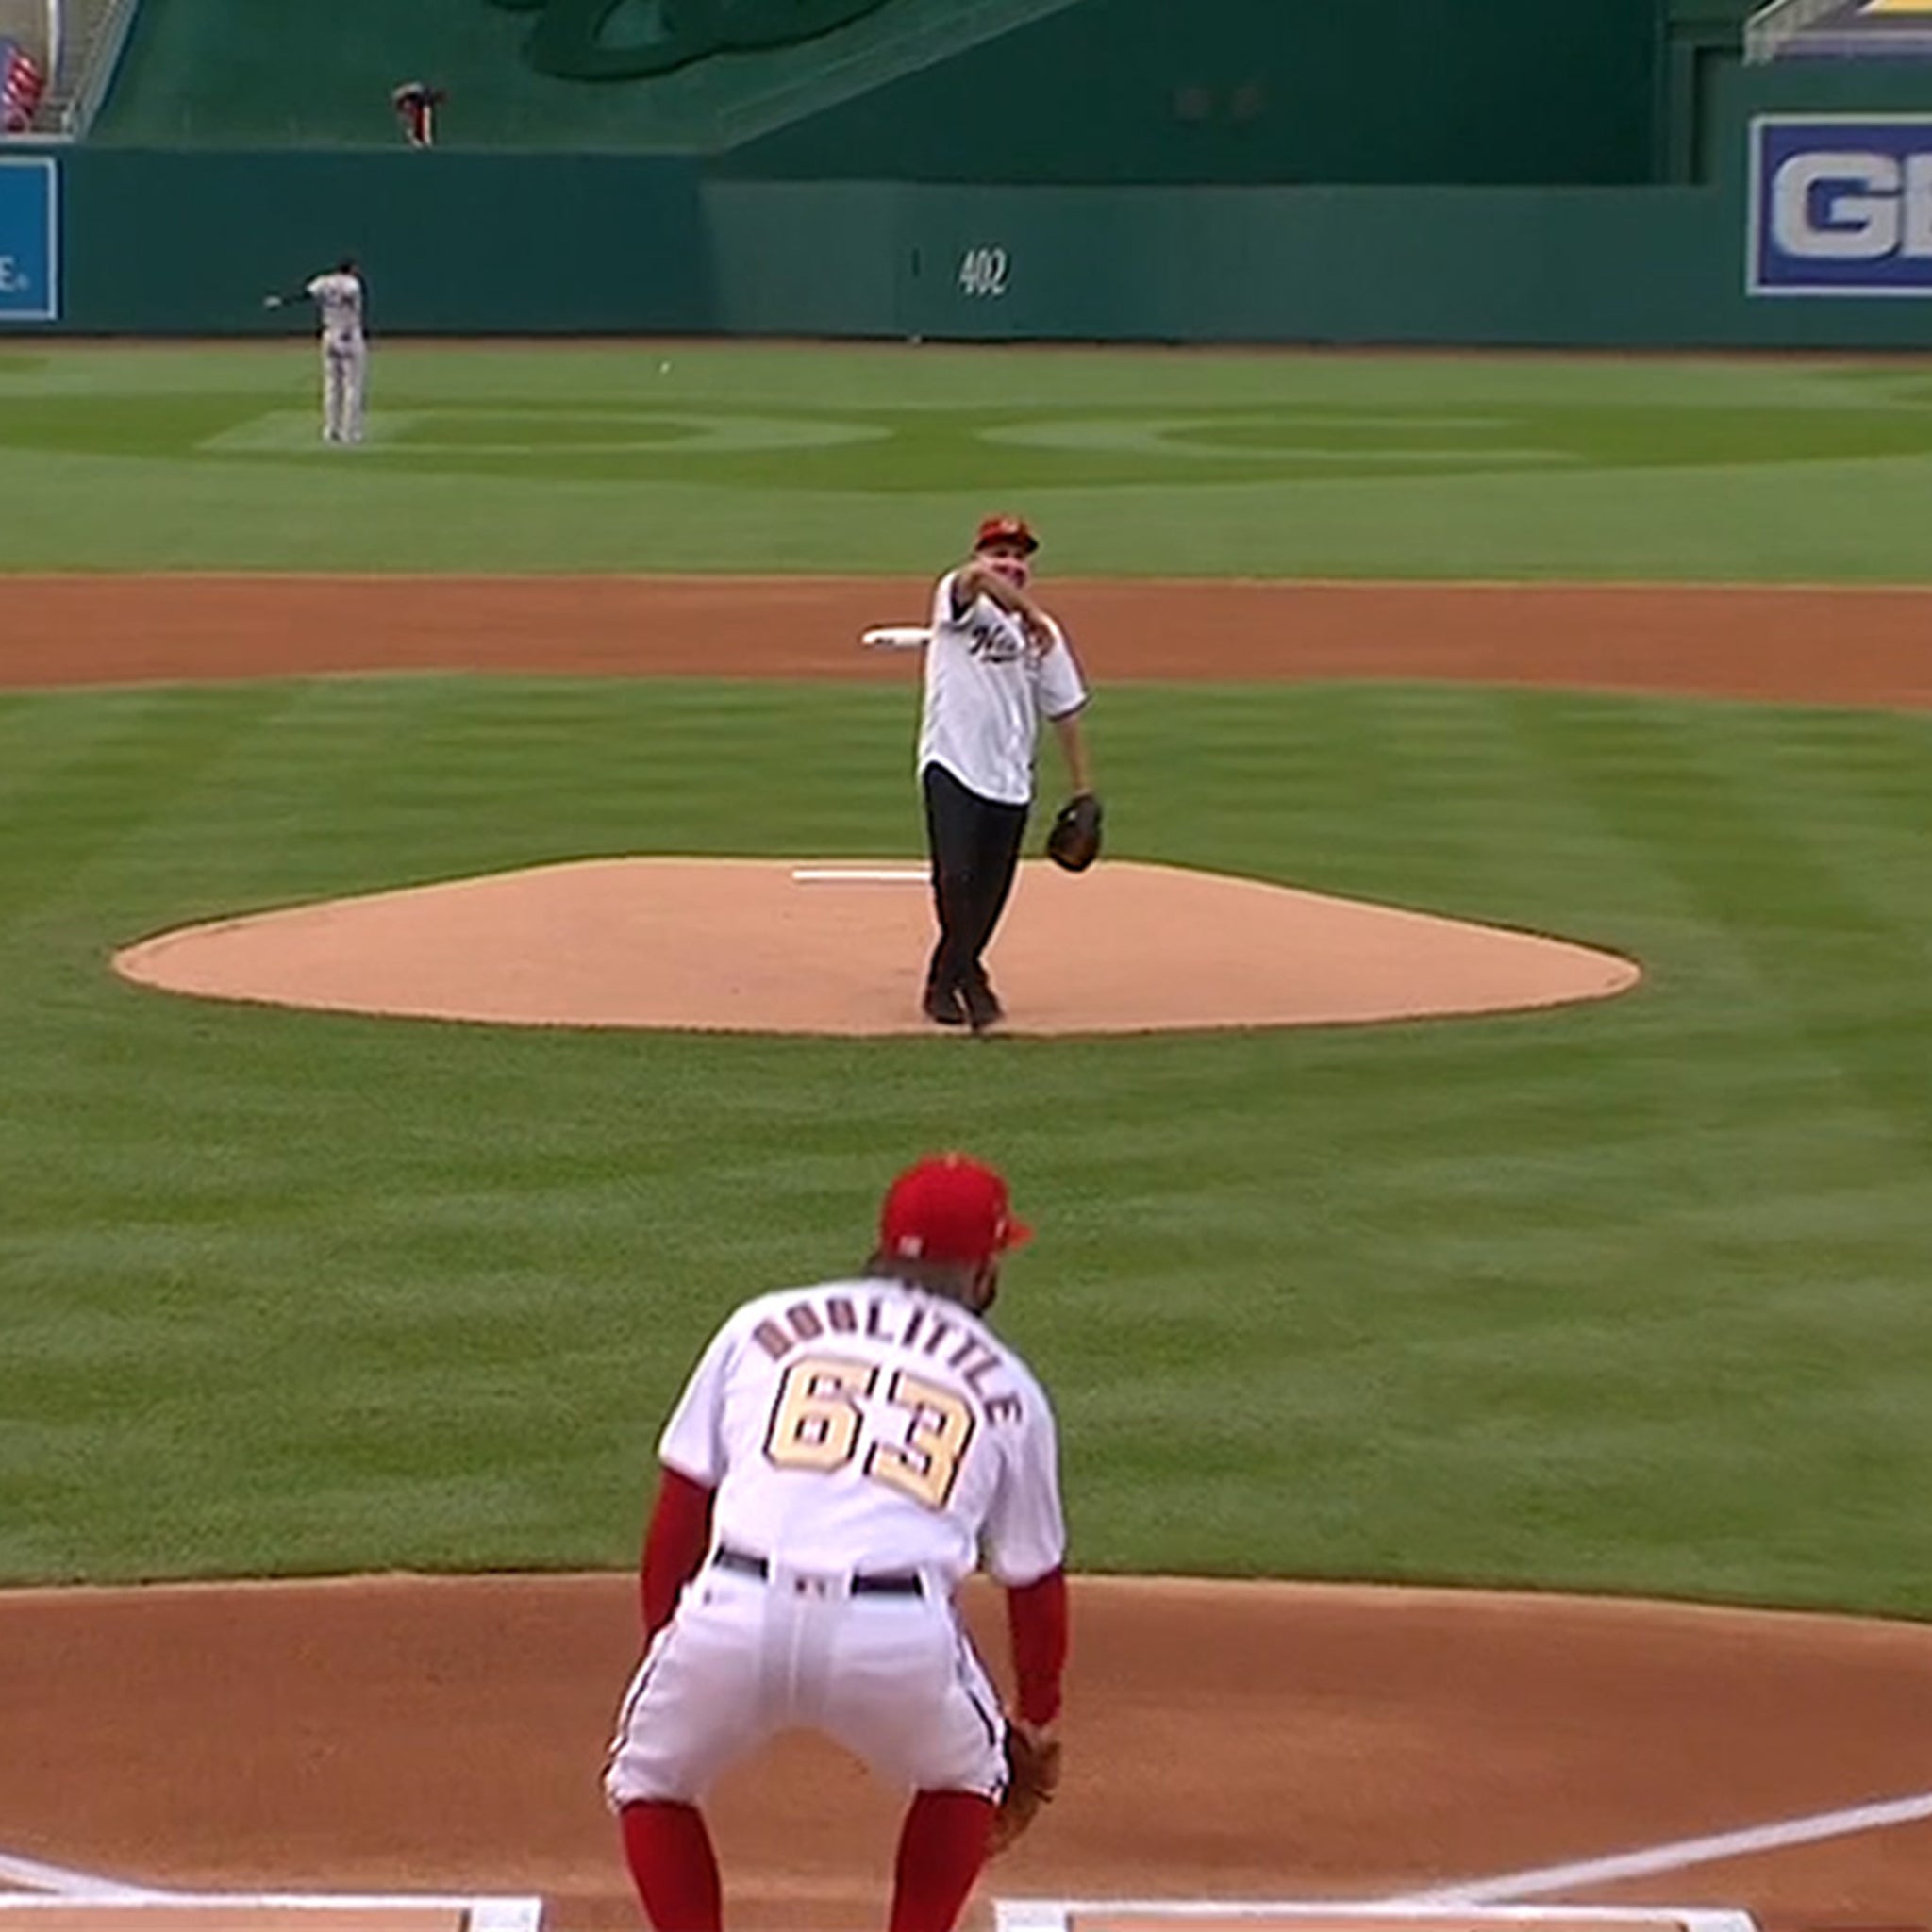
1061,1914
1686,1852
514,1915
36,1876
54,1885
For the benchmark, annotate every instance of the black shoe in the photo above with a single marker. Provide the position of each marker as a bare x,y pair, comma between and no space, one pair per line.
983,1008
943,1006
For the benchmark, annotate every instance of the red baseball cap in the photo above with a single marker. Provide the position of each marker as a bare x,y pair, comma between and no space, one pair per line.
948,1207
1006,530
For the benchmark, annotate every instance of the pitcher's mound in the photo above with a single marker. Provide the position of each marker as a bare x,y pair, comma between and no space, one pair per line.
839,946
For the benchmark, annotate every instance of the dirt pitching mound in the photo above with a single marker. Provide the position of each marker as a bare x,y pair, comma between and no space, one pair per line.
838,947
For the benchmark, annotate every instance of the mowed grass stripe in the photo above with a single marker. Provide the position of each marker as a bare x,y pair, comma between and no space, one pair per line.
1824,781
1623,1297
1844,966
1474,1207
96,788
743,457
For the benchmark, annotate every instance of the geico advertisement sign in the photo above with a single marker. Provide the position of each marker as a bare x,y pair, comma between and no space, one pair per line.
1840,207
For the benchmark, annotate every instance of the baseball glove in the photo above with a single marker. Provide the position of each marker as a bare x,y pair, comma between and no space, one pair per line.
1073,841
1033,1775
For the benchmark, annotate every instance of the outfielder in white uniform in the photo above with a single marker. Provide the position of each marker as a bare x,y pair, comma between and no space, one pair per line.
841,1457
338,295
996,664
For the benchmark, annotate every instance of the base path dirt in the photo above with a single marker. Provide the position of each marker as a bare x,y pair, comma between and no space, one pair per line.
1231,1741
1863,647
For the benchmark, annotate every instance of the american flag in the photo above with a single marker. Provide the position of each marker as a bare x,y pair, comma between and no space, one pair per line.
21,84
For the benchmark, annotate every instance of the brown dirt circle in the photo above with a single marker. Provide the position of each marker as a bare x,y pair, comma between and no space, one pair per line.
837,947
1224,1741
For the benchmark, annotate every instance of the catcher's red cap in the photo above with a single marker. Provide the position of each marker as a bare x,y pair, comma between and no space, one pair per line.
1006,530
948,1207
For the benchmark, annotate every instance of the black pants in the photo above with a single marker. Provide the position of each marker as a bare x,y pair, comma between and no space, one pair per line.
975,844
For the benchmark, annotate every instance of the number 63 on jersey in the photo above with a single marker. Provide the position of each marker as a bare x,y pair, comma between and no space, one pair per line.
919,1431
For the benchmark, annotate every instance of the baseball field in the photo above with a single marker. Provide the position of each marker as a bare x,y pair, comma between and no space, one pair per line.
1603,1329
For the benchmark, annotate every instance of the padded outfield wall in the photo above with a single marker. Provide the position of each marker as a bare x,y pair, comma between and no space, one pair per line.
1101,92
186,243
1259,92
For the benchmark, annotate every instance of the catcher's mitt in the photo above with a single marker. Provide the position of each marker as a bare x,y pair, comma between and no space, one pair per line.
1073,841
1033,1775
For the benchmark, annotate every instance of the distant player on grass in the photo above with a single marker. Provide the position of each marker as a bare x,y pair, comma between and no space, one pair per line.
338,296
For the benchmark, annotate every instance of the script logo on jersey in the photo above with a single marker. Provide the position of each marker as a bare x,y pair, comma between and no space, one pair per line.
995,642
569,38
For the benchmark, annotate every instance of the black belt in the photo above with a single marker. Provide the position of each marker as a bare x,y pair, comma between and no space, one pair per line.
897,1583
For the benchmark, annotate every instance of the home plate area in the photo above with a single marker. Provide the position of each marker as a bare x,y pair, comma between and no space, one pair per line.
130,1909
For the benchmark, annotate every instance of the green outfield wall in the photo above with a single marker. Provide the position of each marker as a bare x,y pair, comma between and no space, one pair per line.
1256,92
186,242
1261,92
1100,92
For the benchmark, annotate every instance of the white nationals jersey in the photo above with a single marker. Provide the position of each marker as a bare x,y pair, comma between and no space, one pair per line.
340,299
869,1426
985,693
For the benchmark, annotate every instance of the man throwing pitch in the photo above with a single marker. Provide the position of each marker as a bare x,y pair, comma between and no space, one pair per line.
338,296
995,665
840,1457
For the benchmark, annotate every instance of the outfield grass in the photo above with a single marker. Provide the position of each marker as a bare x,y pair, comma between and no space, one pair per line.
1630,1297
599,457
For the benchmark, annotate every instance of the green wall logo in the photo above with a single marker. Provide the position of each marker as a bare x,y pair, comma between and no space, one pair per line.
633,40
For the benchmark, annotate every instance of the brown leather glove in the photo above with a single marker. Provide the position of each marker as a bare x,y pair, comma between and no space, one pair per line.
1033,1775
1074,841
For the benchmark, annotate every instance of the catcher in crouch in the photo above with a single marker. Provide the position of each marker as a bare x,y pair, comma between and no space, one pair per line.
840,1457
996,663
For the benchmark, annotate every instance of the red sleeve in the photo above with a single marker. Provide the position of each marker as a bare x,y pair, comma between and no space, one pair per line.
674,1545
1037,1621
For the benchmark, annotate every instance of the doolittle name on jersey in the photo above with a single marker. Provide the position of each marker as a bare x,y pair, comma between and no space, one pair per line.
918,1329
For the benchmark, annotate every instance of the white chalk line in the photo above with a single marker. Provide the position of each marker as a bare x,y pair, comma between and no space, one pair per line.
52,1885
1056,1914
1537,1882
844,874
480,1914
35,1876
1677,1857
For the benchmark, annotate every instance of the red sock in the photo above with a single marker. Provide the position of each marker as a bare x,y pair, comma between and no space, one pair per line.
673,1866
940,1851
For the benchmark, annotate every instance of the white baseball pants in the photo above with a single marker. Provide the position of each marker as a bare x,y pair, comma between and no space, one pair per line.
894,1679
345,378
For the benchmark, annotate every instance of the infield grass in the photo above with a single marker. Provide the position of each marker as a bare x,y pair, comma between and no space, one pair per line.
1628,1297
